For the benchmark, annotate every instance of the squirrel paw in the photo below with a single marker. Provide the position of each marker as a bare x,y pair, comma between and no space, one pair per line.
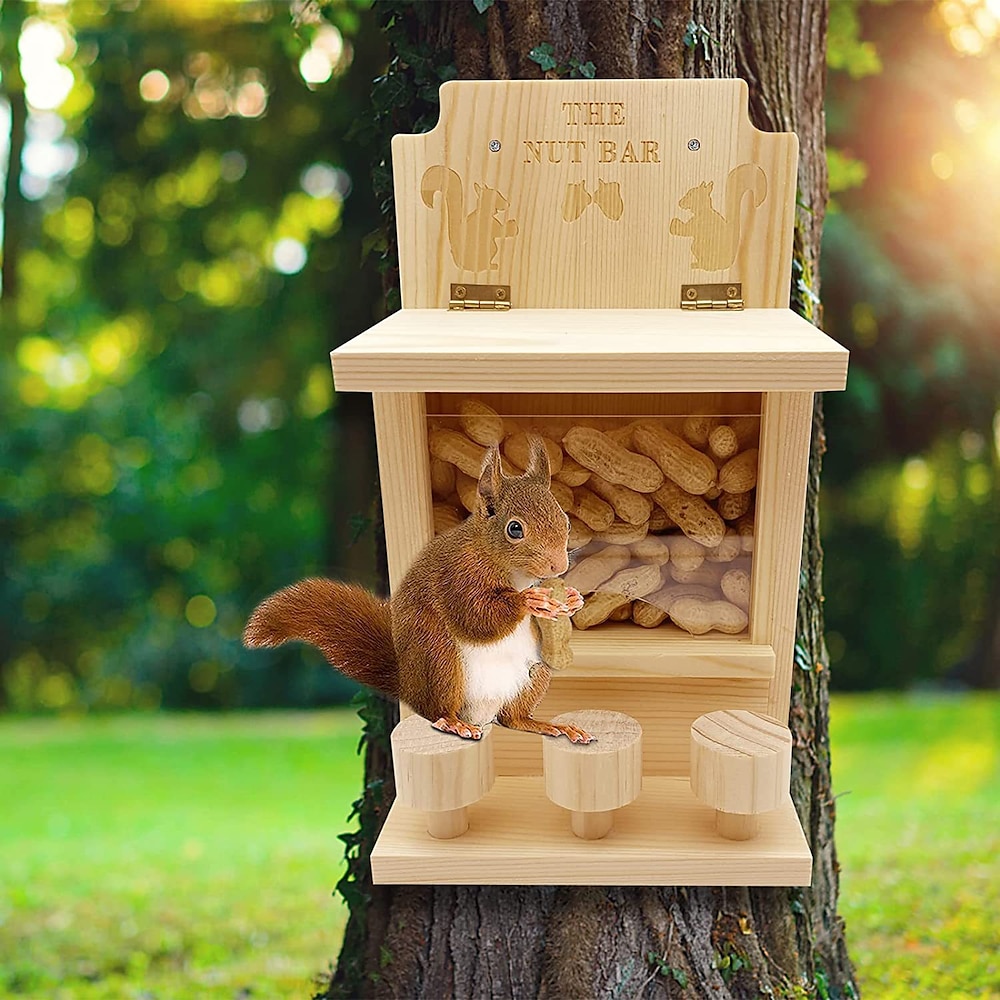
573,733
450,724
541,604
574,600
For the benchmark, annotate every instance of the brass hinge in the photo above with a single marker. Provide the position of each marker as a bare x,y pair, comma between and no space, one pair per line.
721,296
479,297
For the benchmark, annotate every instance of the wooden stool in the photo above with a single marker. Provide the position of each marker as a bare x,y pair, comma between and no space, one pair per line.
740,766
594,779
440,773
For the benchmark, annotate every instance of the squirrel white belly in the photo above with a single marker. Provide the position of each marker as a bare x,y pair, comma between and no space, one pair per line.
496,673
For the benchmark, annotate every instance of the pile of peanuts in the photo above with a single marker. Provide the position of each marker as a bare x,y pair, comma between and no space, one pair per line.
661,509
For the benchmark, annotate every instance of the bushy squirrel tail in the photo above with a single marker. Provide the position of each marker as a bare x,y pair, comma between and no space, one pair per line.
348,624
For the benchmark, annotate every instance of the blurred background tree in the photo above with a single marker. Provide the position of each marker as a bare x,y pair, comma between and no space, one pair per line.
187,196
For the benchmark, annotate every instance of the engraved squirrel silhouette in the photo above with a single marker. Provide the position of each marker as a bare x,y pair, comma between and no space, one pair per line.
716,236
474,238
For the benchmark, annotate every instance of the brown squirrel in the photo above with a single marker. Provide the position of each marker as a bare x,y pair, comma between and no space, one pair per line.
456,641
474,238
717,236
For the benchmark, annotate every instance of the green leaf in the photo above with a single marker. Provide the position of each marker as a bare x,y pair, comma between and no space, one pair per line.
588,69
482,6
544,55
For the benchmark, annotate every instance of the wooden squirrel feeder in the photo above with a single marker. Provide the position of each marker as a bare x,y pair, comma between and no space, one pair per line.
607,264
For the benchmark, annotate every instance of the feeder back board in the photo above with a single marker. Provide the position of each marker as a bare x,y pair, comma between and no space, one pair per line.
595,253
594,194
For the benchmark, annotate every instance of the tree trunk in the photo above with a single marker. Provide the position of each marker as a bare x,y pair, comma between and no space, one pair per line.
568,942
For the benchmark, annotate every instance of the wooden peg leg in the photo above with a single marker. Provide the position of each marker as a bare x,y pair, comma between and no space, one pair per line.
592,825
737,826
440,774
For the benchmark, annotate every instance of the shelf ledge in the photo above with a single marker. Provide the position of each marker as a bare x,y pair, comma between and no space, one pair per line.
629,651
591,350
517,836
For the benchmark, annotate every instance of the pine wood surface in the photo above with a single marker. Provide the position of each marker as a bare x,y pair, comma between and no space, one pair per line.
590,350
404,478
438,771
598,776
594,230
786,424
665,708
517,836
740,761
627,651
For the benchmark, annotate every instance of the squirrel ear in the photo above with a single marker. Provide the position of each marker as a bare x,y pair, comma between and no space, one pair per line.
478,188
538,463
489,481
709,186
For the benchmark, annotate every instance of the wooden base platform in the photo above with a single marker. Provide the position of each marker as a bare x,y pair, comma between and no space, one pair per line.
517,836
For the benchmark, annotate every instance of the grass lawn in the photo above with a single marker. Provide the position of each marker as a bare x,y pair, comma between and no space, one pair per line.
172,857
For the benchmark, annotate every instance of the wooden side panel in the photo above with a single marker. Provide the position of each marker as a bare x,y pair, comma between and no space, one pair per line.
404,477
664,707
594,194
781,497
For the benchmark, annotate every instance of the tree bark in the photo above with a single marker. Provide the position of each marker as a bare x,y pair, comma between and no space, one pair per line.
567,942
12,17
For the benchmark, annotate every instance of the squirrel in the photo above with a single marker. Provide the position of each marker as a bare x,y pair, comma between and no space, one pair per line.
456,641
716,236
474,238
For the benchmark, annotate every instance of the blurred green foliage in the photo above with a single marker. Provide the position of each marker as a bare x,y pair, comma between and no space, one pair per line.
166,414
911,507
184,244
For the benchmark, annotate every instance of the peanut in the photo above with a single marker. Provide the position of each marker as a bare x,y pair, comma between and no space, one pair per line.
727,550
707,574
686,554
446,517
747,430
468,491
660,520
442,478
620,533
650,549
481,422
591,509
588,574
554,633
518,449
572,473
450,446
647,615
629,505
712,493
597,609
563,494
690,469
736,587
634,582
622,435
739,474
665,597
731,506
697,428
622,614
698,616
722,443
693,516
745,526
579,534
600,454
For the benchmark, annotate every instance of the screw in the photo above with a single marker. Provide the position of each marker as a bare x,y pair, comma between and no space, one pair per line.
691,293
460,292
694,145
731,292
501,294
494,145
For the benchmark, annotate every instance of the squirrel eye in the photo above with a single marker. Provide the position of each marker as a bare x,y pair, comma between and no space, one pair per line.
515,529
